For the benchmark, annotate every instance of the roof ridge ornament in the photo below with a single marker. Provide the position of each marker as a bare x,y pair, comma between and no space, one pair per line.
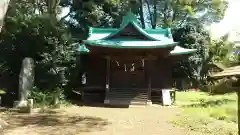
129,17
169,33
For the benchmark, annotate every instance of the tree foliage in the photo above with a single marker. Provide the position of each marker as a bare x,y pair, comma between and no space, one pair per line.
104,13
36,35
35,29
195,37
175,13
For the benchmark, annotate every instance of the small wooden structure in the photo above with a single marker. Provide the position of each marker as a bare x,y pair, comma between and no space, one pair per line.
232,72
228,72
128,65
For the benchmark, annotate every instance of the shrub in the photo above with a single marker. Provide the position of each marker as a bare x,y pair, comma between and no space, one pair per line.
52,98
222,87
2,92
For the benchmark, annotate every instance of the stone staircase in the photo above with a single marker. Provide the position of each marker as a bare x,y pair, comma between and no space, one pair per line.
127,97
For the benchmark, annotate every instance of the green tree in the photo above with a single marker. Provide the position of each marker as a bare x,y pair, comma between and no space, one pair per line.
196,37
104,13
175,13
28,33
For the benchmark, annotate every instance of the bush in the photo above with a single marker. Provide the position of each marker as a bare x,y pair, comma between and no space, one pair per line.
51,98
223,87
2,92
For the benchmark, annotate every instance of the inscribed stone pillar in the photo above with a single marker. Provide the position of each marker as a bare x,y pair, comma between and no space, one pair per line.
26,81
3,9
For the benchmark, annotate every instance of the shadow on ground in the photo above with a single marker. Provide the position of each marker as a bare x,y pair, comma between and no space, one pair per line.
96,104
54,123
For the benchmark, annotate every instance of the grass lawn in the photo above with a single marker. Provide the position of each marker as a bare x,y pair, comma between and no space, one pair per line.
213,115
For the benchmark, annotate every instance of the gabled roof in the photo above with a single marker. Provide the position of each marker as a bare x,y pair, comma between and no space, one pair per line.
152,38
228,72
130,44
130,19
83,49
103,33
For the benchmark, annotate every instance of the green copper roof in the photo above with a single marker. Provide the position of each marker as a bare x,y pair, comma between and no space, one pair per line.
157,34
83,49
129,19
180,51
130,44
157,38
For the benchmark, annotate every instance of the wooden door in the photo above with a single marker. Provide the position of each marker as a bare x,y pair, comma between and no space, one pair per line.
127,74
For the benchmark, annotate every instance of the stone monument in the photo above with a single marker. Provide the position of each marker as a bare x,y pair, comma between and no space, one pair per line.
26,82
3,9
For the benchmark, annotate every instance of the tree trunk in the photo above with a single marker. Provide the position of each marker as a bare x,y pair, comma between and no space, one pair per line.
238,94
141,14
154,14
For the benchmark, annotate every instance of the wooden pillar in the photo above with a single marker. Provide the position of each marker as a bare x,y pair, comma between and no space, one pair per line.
108,75
238,95
149,78
149,88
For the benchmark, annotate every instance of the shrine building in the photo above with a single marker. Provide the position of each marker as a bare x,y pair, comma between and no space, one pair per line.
128,65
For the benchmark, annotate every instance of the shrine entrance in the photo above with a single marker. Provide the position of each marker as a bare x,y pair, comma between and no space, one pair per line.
128,74
127,82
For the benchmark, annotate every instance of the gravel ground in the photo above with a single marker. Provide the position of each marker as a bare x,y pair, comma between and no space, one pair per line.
95,121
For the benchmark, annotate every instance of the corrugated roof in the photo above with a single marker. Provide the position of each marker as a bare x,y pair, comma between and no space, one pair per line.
232,71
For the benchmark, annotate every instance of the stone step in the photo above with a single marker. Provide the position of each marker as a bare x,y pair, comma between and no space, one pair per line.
124,102
137,90
125,95
127,99
128,91
128,96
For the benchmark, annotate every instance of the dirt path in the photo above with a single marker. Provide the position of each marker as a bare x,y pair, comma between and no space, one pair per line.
95,121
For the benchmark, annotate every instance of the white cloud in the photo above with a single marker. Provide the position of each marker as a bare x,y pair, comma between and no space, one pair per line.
230,22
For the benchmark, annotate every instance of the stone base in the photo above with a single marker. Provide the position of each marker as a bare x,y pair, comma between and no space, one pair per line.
24,103
106,101
149,102
24,106
20,104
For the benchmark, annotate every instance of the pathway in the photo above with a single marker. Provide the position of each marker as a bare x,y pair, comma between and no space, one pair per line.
96,121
